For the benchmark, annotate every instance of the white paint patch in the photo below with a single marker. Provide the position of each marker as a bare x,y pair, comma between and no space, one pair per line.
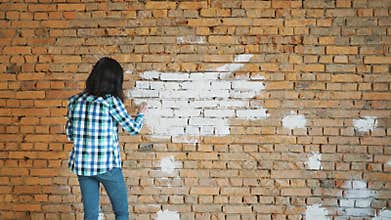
167,165
313,162
315,212
197,104
294,121
383,215
365,124
167,215
388,163
190,40
357,199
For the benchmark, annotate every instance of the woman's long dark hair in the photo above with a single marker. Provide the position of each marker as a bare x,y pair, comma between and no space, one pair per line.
106,78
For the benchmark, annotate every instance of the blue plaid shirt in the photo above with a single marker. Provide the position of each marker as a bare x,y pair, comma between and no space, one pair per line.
92,126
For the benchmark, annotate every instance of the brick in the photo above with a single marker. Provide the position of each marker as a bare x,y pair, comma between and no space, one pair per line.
256,4
204,190
377,60
71,7
341,50
160,5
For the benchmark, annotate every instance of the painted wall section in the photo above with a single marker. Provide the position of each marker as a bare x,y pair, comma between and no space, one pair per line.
167,215
316,212
198,103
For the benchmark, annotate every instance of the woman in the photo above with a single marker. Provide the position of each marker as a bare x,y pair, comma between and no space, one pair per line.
92,125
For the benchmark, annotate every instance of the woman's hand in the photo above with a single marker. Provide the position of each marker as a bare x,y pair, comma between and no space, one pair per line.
143,108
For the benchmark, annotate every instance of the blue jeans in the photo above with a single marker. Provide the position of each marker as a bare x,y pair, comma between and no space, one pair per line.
114,183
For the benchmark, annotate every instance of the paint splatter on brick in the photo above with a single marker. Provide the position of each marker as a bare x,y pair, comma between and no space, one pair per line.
365,124
293,121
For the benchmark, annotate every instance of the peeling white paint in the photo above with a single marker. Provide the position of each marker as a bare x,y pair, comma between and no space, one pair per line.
167,165
313,162
167,215
315,212
383,215
197,103
388,163
191,40
294,121
365,124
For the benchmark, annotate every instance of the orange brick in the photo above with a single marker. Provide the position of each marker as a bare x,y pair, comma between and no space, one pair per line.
341,50
377,60
30,95
160,5
71,7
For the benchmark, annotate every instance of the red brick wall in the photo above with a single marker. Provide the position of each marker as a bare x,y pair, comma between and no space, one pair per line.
325,66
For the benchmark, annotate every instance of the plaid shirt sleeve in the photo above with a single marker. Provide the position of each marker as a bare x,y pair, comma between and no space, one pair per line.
68,125
119,113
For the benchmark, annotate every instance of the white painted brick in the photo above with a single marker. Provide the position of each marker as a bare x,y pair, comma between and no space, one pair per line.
177,130
359,194
204,104
248,85
204,75
170,122
363,203
175,104
221,85
156,85
219,113
216,94
347,203
153,103
359,184
142,84
241,94
187,112
162,112
191,39
221,130
197,85
192,130
252,114
359,212
206,130
143,93
198,121
257,77
234,103
151,75
180,94
171,85
178,76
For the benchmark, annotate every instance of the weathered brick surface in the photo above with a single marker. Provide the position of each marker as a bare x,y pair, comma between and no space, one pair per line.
227,82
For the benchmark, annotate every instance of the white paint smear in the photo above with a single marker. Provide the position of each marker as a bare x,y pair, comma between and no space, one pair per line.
313,162
294,121
383,215
167,165
315,212
195,104
190,40
365,124
167,215
388,163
